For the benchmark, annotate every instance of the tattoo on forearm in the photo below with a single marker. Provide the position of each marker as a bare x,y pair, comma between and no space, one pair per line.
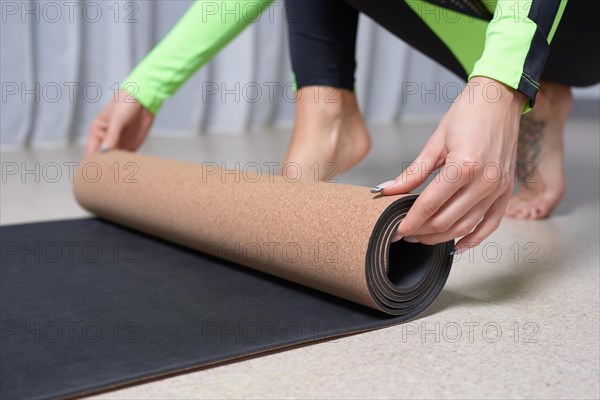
528,150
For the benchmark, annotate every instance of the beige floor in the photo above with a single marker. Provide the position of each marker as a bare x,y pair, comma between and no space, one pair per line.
519,317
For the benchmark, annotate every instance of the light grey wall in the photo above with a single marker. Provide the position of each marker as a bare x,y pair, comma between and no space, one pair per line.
61,61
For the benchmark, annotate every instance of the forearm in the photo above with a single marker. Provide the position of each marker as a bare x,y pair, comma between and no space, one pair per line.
200,34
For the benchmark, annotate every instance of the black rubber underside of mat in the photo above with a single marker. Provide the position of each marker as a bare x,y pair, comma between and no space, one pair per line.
87,306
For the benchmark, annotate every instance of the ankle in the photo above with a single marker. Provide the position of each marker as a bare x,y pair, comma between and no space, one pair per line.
325,104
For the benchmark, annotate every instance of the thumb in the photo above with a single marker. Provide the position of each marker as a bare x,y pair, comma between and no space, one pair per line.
430,159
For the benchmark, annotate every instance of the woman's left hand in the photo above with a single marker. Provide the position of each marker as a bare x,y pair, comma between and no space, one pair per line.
474,147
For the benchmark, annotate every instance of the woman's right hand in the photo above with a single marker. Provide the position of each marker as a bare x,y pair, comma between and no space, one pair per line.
122,124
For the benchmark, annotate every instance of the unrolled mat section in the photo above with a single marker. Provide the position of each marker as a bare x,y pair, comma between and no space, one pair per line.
331,237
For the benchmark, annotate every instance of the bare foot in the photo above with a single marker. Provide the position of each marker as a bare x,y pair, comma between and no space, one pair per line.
540,154
329,134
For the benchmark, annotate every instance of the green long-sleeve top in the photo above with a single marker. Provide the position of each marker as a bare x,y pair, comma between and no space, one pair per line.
516,45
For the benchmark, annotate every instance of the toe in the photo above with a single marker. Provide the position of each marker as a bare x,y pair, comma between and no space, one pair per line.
521,212
512,208
543,209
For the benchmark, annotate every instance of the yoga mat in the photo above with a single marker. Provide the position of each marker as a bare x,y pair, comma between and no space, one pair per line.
204,266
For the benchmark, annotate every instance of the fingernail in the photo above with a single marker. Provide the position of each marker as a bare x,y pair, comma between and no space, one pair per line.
381,186
456,251
396,238
104,149
411,239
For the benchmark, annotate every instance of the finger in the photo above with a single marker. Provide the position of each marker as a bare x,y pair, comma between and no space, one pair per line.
133,138
113,133
435,195
491,222
462,227
429,160
95,137
458,207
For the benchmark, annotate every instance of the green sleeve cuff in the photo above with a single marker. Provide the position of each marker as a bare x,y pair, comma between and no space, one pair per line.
518,42
507,76
148,98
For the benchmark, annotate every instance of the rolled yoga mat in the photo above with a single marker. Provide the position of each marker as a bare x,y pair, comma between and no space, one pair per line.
174,292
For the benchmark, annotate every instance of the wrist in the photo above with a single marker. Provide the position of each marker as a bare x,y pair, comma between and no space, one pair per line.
495,92
141,95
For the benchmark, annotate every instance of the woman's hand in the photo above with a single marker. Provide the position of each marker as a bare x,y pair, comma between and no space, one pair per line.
122,124
475,148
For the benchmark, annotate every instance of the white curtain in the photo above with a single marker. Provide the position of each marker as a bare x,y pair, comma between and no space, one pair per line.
61,61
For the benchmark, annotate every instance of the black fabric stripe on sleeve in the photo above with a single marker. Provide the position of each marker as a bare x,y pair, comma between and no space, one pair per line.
542,13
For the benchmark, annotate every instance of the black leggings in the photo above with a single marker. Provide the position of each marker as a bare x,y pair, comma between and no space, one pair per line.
322,36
